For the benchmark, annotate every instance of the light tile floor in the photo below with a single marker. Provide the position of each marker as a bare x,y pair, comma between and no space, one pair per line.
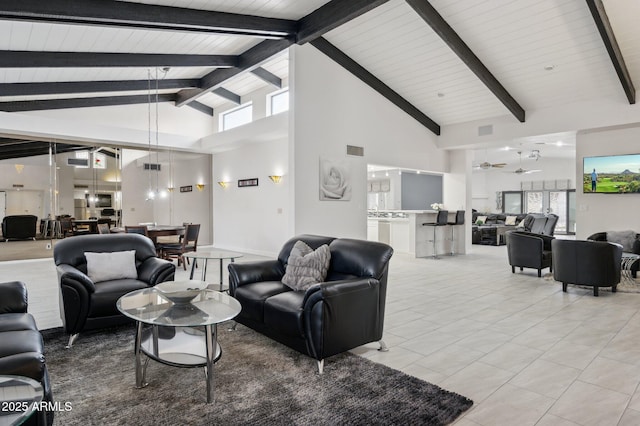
524,351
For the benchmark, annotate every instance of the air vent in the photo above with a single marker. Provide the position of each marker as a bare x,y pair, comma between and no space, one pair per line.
152,166
485,130
81,186
18,185
78,162
358,151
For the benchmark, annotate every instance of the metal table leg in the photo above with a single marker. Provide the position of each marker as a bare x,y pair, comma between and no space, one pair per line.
211,337
141,366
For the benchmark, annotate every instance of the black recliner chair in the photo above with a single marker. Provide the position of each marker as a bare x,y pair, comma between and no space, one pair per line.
589,263
344,312
529,250
22,349
86,305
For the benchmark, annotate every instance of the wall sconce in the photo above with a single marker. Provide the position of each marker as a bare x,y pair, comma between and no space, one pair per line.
221,183
200,186
170,188
275,178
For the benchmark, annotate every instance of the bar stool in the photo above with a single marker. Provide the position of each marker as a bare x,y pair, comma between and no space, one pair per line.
459,221
441,220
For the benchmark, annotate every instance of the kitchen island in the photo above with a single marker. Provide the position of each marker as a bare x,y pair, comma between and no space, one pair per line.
403,230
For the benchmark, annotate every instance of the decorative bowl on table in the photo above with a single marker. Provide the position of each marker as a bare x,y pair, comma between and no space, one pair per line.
181,292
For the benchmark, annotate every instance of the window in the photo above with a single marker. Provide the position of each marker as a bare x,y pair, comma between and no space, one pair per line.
236,117
278,102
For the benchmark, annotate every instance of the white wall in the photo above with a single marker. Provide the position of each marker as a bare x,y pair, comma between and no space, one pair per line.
175,207
605,212
331,109
183,121
252,219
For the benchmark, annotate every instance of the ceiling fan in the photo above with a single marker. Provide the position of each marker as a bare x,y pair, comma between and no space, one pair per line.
485,165
520,170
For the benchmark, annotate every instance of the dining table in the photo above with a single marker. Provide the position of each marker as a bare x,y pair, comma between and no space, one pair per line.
155,231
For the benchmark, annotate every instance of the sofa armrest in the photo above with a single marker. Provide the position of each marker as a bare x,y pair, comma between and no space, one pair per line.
253,272
13,297
155,271
340,315
71,276
27,364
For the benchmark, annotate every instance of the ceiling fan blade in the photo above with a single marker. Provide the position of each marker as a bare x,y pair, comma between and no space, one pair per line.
498,165
532,171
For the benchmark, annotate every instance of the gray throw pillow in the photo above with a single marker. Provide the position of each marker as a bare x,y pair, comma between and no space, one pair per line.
624,238
306,267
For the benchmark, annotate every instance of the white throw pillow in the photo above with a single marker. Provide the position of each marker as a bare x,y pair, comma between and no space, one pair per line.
510,220
481,219
306,267
115,265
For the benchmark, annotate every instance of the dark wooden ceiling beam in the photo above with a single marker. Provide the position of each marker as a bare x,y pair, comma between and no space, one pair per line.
32,59
247,61
431,16
315,24
330,16
609,38
267,76
145,16
205,109
36,105
52,88
227,94
357,70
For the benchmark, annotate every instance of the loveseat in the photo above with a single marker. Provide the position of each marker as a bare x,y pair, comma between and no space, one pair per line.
341,313
88,303
22,348
19,227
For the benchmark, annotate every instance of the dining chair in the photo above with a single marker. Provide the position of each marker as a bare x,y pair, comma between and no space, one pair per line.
137,229
103,228
189,243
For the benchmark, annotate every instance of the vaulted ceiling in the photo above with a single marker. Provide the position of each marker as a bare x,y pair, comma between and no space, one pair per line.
441,61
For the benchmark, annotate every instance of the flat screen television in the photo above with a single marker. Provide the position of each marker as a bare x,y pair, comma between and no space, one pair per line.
102,200
612,174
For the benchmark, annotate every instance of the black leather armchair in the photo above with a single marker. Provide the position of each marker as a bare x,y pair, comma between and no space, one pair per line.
589,263
602,236
22,349
529,250
19,227
86,305
344,312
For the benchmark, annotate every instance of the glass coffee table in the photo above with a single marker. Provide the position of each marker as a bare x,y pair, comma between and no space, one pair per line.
627,260
180,335
210,254
19,397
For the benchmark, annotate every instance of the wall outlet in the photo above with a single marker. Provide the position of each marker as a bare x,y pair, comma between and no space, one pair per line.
279,210
48,246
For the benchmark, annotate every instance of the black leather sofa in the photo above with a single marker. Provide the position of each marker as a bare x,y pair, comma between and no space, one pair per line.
19,227
344,312
589,263
87,305
22,348
529,250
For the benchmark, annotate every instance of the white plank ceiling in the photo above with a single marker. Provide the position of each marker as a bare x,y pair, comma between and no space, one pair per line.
516,41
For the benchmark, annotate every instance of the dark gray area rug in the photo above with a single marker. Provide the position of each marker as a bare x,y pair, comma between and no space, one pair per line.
257,382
